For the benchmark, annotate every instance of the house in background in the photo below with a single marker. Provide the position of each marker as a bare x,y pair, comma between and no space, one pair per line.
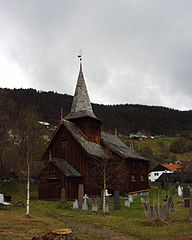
78,145
163,168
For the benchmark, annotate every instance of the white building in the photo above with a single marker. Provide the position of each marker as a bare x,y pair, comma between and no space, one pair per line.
162,168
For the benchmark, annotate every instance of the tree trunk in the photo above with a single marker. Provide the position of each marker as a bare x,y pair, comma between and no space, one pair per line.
28,184
190,205
104,192
1,160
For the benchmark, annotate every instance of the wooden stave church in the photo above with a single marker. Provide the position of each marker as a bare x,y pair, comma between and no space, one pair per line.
75,145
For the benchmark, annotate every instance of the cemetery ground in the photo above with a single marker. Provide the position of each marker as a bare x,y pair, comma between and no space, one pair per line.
127,223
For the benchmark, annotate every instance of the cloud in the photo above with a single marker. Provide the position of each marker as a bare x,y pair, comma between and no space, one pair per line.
133,51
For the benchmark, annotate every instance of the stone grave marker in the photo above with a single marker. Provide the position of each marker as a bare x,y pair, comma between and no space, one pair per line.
170,203
130,197
179,190
190,204
107,208
143,200
94,206
117,205
75,205
173,189
101,204
186,203
2,200
80,194
63,197
106,197
186,192
85,205
127,203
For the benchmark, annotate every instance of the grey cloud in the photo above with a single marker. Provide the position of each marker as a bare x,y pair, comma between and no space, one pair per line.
134,51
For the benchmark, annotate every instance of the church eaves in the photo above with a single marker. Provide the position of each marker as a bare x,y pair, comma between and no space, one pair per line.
81,105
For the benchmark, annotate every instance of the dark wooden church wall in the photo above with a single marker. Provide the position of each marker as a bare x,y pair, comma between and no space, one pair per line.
66,147
50,183
137,175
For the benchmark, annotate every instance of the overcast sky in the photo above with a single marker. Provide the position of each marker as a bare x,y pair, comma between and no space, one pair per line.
134,51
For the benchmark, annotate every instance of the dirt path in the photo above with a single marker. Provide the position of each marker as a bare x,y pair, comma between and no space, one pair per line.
90,231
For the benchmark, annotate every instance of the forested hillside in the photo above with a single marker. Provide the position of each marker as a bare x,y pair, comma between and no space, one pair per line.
127,118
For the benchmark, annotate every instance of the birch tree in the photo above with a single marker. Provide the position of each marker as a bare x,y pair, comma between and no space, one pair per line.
29,137
108,172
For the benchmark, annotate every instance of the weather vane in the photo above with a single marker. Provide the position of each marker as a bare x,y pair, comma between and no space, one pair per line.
80,55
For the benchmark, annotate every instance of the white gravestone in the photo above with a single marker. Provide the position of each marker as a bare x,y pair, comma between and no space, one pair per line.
75,205
94,206
2,200
85,205
180,194
130,197
127,203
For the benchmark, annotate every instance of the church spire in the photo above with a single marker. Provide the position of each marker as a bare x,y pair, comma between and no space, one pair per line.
81,105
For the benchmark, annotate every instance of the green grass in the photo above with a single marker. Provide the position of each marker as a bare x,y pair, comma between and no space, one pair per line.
160,147
47,215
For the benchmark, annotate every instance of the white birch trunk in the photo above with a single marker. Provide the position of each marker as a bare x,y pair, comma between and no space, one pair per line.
104,192
28,185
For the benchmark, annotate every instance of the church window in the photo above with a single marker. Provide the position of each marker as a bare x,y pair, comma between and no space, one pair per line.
133,177
142,177
64,143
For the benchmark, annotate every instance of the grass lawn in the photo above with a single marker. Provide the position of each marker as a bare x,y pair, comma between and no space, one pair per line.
126,223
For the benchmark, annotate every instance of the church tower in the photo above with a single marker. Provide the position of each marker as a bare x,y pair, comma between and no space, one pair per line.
82,113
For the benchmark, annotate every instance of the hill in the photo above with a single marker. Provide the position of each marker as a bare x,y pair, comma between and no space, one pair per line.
164,149
127,118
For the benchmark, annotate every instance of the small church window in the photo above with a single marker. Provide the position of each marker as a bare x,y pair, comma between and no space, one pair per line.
51,174
142,177
64,143
133,177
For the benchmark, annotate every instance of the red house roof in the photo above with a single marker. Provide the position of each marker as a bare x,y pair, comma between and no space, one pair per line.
172,167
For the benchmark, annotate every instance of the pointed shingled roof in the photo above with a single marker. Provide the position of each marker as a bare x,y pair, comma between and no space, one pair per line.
81,105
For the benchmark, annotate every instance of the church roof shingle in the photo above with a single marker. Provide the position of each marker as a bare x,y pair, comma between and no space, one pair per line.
81,105
66,167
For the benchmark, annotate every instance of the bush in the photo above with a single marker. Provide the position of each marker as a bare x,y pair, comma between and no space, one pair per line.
181,145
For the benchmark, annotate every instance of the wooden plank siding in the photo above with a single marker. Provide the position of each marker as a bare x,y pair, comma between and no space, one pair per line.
66,147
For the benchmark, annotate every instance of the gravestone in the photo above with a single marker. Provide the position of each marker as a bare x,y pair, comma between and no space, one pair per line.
107,208
2,200
80,194
186,203
173,189
117,205
170,203
101,205
106,198
130,197
107,195
179,191
190,204
127,203
63,197
143,200
94,206
75,205
85,205
186,192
